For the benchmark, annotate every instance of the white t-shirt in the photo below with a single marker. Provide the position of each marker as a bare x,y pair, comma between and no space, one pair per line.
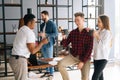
101,48
24,35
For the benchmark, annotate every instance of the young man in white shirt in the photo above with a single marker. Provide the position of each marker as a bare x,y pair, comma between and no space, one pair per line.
23,45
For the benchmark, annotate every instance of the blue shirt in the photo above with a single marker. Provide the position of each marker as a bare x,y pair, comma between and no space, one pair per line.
50,30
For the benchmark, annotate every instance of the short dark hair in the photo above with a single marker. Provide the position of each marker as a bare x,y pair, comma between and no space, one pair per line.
79,14
28,17
45,12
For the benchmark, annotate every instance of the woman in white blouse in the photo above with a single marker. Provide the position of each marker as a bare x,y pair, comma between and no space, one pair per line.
102,46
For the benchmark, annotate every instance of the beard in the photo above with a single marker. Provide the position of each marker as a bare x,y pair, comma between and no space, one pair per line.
43,19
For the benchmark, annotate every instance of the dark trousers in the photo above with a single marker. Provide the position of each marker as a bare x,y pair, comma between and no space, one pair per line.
99,65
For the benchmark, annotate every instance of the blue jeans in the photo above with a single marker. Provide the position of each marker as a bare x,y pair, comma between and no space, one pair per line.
47,51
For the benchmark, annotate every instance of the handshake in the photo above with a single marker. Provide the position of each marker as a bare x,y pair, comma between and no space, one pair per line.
45,40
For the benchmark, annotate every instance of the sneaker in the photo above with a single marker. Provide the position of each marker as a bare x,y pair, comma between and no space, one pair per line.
32,74
45,74
50,77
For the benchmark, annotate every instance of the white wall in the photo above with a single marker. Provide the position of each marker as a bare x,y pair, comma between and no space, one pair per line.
117,28
30,4
112,9
109,9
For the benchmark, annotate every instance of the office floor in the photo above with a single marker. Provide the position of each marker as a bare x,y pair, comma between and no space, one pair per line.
111,72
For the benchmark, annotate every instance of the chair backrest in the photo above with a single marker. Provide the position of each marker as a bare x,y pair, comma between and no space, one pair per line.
33,59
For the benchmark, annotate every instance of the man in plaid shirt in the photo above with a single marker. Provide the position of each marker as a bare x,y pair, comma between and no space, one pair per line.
82,44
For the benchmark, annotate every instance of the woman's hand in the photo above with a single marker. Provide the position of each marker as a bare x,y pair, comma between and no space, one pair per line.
88,29
96,35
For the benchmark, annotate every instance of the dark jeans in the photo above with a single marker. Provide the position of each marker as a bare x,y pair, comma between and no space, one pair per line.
99,65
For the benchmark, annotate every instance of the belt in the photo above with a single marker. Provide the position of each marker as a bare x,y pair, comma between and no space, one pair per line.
17,56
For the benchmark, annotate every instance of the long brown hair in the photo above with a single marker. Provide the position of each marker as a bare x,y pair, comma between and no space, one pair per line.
105,21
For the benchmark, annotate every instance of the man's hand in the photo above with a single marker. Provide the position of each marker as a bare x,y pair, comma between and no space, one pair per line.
42,34
44,41
80,65
33,49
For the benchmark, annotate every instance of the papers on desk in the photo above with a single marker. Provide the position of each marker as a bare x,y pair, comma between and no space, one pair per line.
33,75
55,60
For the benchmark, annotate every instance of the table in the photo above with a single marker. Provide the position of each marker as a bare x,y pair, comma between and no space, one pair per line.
42,66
